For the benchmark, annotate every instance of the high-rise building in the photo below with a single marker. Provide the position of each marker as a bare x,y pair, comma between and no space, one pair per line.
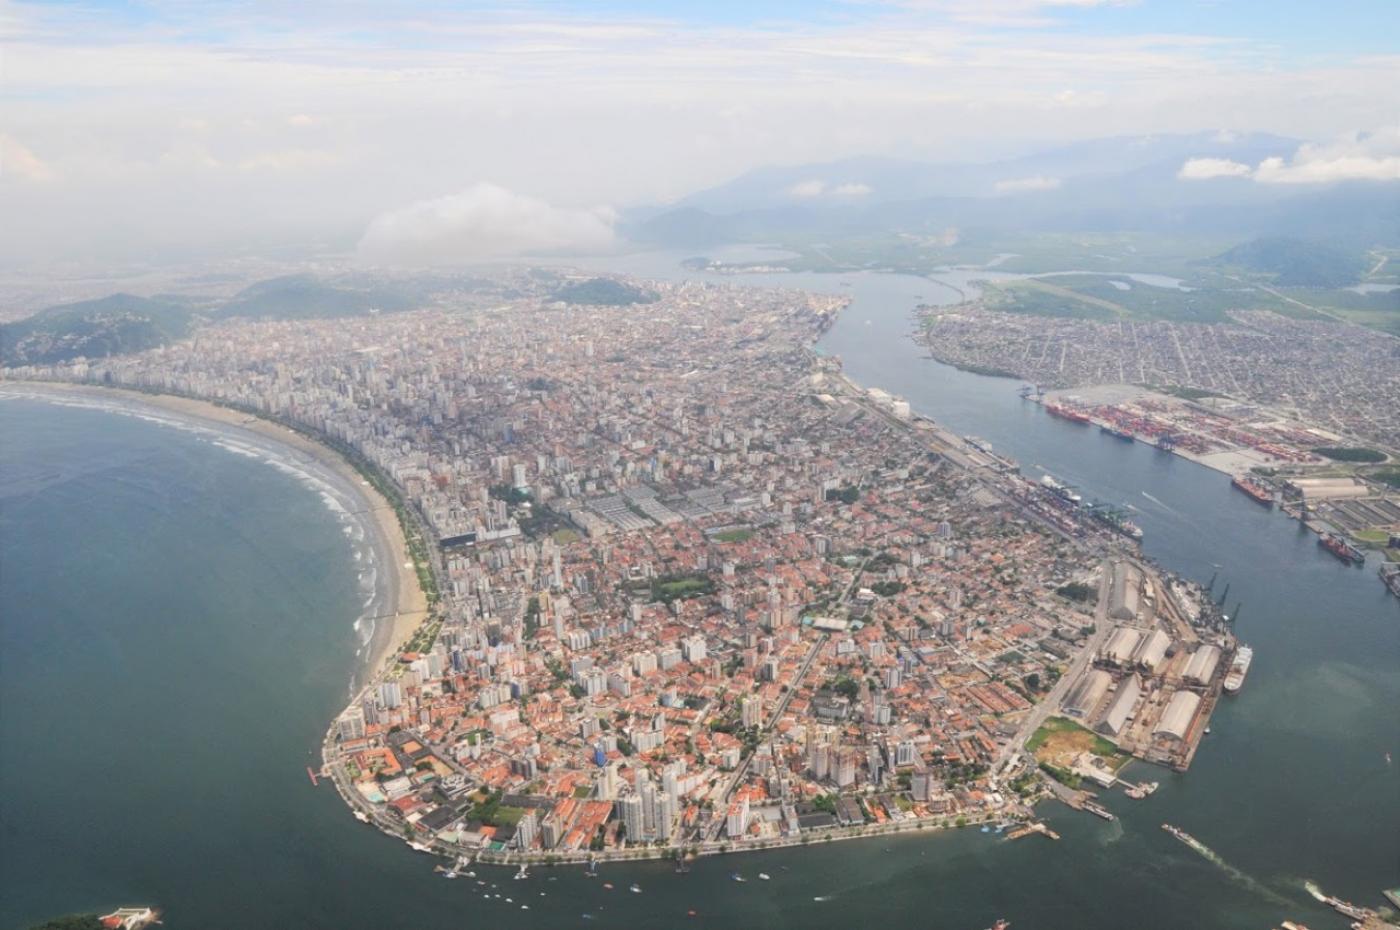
526,830
751,711
738,819
632,818
352,723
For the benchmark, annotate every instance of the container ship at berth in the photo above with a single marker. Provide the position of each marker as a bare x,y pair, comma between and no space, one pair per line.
1257,491
1117,432
1066,413
1239,668
1341,548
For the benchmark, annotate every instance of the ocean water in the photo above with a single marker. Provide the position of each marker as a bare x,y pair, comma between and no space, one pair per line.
176,629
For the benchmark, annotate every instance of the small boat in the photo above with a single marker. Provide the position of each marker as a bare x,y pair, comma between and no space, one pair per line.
821,897
737,877
764,876
524,907
607,886
635,888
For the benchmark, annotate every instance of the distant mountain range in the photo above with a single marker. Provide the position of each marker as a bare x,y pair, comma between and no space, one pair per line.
1108,185
123,323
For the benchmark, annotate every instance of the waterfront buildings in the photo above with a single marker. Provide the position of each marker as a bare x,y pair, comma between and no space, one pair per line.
692,585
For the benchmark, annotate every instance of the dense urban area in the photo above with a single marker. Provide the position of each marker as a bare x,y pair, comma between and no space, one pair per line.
695,591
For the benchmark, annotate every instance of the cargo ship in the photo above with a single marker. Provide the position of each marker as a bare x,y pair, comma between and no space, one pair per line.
1066,413
1341,548
1239,668
1257,491
1117,432
1390,577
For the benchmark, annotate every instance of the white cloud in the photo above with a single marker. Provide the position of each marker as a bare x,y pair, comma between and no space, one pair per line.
1202,169
288,160
1022,185
851,189
483,221
806,190
16,160
1373,156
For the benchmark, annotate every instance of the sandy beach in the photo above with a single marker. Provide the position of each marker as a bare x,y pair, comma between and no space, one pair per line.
398,581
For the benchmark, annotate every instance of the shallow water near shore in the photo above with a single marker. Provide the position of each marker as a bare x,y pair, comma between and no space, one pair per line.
177,632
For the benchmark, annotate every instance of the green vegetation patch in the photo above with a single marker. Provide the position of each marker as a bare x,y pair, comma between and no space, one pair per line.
1295,262
1206,299
736,535
1389,476
1059,739
668,588
604,292
1076,591
1351,454
113,325
71,922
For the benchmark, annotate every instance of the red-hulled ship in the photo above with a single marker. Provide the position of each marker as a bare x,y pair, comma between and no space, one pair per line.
1066,413
1257,491
1341,548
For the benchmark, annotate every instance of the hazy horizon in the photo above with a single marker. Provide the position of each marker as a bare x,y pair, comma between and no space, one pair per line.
135,132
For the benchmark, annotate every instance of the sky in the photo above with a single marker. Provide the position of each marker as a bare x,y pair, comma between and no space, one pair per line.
140,131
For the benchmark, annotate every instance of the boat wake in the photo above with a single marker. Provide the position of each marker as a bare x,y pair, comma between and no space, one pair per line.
1240,878
1158,502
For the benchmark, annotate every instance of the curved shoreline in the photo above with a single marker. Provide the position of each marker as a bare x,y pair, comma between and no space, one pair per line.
397,604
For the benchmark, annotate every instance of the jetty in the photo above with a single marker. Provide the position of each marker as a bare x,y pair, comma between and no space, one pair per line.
1028,829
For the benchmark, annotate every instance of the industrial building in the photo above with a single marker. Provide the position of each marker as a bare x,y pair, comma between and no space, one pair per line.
1085,696
1122,645
1125,594
1121,709
1152,651
1176,720
1202,665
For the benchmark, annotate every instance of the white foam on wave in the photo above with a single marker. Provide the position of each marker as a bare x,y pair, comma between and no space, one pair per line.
286,460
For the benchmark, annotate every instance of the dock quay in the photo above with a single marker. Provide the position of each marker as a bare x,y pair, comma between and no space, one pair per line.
1028,829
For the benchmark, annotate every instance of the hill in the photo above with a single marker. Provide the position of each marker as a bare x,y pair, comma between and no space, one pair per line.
1296,262
604,292
305,297
113,325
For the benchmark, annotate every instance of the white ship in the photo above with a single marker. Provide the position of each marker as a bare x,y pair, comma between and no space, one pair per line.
1239,668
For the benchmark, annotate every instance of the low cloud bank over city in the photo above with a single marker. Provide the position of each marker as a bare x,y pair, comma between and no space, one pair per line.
484,221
